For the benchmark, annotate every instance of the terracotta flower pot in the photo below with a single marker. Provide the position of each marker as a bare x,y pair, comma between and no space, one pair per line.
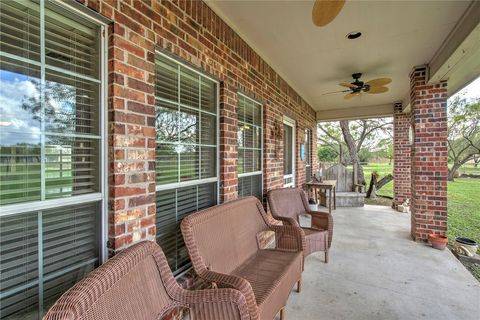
438,241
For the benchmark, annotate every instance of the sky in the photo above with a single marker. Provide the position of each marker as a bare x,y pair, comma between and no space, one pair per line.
470,91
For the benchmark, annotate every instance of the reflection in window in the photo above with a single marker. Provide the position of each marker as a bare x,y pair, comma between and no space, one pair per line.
50,140
249,139
186,151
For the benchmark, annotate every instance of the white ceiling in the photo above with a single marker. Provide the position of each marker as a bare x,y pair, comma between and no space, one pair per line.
397,35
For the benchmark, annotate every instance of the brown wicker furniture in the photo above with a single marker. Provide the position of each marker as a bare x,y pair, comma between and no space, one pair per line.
138,284
287,204
223,245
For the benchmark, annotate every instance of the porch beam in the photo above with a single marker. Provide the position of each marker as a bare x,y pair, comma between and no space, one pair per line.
457,58
365,112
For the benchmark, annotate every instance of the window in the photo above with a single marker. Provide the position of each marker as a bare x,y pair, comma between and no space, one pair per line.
308,155
51,158
289,154
249,137
186,151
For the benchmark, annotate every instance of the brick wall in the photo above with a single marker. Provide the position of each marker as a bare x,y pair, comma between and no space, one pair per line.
401,156
429,155
191,31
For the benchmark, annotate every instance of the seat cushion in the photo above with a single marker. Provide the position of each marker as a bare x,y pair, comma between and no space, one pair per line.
272,275
317,240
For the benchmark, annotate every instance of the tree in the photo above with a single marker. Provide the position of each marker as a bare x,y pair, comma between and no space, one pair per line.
361,136
331,136
327,154
463,132
362,133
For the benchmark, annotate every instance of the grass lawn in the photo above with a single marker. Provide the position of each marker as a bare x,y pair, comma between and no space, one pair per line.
463,201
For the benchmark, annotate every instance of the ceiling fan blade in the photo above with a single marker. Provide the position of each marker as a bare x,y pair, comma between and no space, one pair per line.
333,92
349,96
377,90
348,85
379,82
324,11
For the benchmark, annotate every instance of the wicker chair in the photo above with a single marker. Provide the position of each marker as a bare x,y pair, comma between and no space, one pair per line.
223,244
138,284
288,203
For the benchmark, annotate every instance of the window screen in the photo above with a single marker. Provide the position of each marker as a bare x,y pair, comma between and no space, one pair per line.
249,137
50,150
186,151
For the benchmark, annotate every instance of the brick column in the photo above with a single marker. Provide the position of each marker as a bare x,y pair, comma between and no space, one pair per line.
401,156
429,155
131,135
228,143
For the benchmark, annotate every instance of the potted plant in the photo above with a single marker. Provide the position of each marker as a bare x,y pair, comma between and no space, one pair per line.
438,241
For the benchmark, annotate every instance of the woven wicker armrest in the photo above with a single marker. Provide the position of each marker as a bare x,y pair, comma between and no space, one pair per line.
287,221
231,281
289,238
216,304
323,221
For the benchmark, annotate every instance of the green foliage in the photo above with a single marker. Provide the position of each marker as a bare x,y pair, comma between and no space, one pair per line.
463,130
463,201
464,209
326,154
365,155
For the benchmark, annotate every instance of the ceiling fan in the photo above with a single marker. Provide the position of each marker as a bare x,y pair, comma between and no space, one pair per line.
357,87
324,11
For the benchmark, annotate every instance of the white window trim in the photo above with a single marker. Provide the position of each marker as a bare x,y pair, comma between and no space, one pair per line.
291,123
176,185
261,140
39,205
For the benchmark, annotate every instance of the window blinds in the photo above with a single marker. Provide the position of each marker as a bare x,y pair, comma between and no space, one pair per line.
186,152
249,138
50,142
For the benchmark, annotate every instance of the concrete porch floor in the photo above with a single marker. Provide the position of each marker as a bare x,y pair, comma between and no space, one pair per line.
377,272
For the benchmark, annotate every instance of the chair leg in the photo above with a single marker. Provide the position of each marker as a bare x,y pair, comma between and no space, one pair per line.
282,314
299,285
326,256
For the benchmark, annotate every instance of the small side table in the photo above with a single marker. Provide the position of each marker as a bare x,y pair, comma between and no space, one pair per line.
331,186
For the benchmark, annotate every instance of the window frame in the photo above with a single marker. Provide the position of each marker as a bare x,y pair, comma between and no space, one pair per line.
176,185
291,123
100,198
308,158
258,172
183,184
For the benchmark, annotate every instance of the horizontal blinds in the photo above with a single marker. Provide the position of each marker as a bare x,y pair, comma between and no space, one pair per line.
250,186
172,206
69,247
308,154
50,148
249,138
20,29
67,120
186,152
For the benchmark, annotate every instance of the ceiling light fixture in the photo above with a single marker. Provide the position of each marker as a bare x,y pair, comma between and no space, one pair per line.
354,35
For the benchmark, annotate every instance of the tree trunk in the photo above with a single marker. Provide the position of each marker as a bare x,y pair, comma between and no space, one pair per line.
352,149
451,172
371,188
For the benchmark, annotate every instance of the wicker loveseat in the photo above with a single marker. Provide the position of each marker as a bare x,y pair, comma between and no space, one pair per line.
138,284
224,248
288,203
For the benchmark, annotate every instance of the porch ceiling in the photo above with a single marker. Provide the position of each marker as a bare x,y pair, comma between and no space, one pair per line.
397,35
